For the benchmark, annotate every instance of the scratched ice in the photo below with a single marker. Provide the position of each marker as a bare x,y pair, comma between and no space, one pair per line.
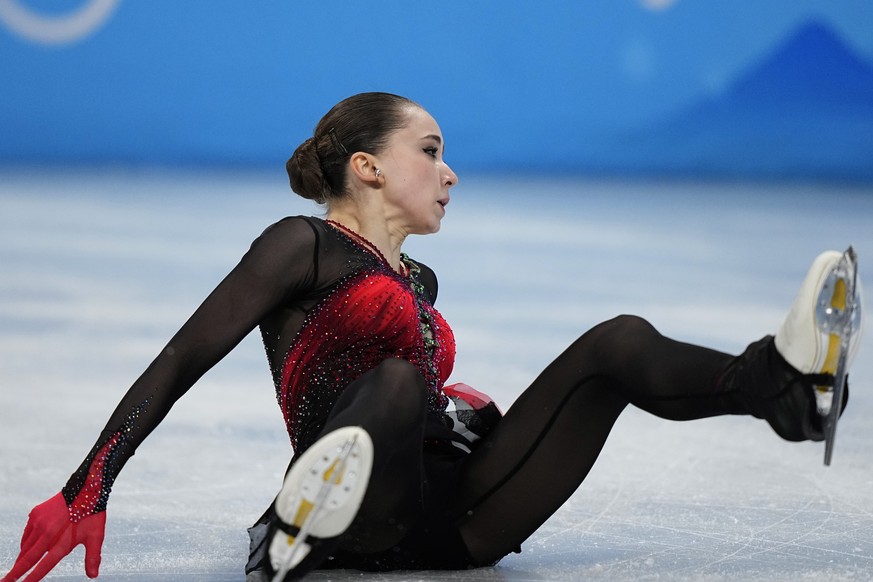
98,270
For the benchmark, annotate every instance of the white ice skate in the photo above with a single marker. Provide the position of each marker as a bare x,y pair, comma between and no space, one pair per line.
822,332
319,498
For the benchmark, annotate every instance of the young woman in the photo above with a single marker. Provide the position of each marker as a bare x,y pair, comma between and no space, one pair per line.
383,476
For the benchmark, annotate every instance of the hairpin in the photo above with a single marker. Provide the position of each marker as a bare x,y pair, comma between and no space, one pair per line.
337,144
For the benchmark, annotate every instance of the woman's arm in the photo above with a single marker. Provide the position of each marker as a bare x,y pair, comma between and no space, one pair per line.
278,265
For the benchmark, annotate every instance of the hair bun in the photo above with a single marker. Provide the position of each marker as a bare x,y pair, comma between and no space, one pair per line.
360,123
305,172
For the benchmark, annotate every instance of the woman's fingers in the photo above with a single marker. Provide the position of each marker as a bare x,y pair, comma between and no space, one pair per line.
50,535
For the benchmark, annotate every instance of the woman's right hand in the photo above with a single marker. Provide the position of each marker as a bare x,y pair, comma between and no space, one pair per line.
50,535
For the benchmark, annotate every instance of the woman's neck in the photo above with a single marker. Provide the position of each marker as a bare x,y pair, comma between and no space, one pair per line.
373,227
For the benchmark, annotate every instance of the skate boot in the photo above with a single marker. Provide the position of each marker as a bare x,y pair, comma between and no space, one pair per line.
822,332
318,501
790,380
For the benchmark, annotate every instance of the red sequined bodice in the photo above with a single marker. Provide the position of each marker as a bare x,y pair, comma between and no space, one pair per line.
372,315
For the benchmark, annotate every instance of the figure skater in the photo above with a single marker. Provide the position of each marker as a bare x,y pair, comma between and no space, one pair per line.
385,475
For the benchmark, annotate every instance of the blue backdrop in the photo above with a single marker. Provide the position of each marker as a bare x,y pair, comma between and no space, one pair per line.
782,88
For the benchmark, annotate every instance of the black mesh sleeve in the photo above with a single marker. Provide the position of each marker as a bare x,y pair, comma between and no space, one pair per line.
278,266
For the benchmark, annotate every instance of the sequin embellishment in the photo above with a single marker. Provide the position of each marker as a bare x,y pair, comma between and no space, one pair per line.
87,491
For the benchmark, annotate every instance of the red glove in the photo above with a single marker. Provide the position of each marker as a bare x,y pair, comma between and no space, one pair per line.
50,535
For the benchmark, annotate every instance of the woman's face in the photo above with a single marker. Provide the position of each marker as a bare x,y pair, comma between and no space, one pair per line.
416,179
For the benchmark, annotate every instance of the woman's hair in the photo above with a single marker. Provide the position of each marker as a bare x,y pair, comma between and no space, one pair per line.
361,123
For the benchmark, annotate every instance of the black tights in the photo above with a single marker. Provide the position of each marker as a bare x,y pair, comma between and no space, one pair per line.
390,403
544,447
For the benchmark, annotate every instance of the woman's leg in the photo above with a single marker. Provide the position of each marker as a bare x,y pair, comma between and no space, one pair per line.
549,439
390,403
358,487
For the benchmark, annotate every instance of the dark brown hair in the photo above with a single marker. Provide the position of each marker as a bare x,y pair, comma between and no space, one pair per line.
361,123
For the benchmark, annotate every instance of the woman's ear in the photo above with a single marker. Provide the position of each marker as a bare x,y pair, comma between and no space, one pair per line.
363,168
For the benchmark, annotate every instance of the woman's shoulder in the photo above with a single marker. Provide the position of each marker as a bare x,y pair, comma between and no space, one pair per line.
292,238
299,226
293,233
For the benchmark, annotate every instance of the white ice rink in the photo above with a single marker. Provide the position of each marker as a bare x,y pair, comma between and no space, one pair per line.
98,270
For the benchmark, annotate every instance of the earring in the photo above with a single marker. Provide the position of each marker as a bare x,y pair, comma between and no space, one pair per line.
378,172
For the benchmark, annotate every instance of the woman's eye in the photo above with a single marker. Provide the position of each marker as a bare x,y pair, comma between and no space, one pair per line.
431,151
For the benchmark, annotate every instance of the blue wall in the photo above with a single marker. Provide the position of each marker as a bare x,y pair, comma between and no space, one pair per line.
613,86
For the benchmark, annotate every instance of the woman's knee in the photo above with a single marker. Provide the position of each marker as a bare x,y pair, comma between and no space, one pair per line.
400,384
628,325
622,337
398,369
392,396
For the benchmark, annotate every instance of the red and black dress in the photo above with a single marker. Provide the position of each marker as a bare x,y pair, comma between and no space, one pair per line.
329,309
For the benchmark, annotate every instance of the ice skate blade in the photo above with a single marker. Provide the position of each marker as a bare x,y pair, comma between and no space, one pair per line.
320,496
836,310
286,551
838,318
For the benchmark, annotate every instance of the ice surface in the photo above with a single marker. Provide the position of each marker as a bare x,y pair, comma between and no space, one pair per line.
97,270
